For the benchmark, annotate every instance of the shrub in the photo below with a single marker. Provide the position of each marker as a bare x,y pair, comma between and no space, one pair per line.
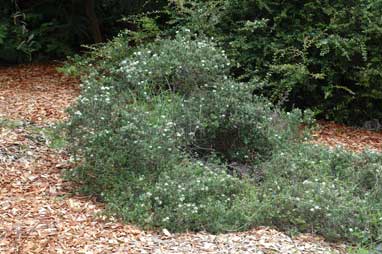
189,196
181,66
323,55
333,192
191,149
158,118
227,120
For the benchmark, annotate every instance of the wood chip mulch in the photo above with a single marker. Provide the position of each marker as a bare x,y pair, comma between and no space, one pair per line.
37,213
353,139
36,93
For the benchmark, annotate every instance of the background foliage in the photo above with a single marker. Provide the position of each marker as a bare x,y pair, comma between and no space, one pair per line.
51,29
324,55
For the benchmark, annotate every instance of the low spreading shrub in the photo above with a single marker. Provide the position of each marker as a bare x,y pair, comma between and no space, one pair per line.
167,109
332,192
167,139
189,195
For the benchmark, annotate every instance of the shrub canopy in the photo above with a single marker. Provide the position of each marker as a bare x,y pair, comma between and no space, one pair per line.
168,139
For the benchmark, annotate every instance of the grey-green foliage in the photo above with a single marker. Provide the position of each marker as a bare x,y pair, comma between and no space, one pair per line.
337,193
191,149
164,113
186,196
180,65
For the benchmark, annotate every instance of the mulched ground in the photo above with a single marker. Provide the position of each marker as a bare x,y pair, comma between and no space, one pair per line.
36,93
38,215
354,139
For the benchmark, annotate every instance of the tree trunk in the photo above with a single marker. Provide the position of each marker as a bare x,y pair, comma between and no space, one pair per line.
93,21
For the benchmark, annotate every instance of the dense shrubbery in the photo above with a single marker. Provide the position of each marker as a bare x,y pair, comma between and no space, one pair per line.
169,112
167,139
51,29
324,55
43,29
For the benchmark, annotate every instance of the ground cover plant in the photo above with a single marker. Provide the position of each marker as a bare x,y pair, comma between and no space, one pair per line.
168,139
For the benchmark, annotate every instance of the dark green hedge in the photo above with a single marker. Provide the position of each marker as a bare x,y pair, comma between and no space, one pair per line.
321,54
